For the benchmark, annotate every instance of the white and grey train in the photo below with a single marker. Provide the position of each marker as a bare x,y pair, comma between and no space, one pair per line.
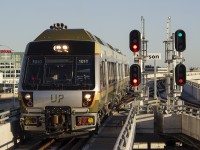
69,81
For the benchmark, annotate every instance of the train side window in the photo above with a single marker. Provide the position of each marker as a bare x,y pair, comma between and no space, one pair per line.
119,71
115,71
126,70
112,77
109,73
122,71
102,74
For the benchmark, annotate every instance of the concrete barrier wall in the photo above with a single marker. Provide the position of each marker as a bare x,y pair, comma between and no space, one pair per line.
186,124
170,123
191,126
10,134
192,90
145,123
188,89
6,136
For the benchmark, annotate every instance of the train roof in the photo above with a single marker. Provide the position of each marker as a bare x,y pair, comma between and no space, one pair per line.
65,34
62,33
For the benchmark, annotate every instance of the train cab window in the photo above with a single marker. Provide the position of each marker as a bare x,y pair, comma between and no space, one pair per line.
84,71
59,73
34,71
83,75
34,74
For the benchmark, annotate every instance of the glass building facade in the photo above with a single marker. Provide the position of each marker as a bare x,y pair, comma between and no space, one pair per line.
10,66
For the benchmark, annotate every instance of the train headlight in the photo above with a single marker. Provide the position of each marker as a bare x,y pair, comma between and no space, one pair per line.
87,98
27,96
61,48
27,99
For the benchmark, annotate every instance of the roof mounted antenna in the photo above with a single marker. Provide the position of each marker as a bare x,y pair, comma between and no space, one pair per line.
58,26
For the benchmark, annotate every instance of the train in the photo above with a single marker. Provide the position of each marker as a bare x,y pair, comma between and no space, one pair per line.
70,80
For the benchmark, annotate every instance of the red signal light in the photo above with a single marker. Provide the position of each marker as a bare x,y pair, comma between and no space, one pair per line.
135,48
135,82
180,80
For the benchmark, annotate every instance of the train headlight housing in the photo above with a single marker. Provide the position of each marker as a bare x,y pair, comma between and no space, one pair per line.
27,99
61,48
87,98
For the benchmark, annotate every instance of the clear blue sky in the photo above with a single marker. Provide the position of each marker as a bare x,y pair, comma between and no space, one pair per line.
112,20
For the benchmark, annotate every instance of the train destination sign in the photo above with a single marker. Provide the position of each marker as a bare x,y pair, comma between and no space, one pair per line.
154,56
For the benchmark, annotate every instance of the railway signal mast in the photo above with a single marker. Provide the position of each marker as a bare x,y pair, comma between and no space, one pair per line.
180,69
138,45
135,69
178,41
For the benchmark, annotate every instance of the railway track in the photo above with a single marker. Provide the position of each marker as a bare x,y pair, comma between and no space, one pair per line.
74,143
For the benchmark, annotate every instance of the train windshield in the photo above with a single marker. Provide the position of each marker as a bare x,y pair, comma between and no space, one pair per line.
59,73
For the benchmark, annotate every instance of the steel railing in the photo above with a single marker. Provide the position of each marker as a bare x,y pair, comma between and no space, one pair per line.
126,137
9,115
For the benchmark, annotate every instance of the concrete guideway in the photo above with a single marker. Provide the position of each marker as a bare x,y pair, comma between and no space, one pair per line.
108,134
118,131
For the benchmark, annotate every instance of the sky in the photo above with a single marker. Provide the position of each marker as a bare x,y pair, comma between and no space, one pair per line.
111,20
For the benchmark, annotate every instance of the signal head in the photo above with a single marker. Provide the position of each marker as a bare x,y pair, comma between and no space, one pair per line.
135,40
135,75
180,40
180,74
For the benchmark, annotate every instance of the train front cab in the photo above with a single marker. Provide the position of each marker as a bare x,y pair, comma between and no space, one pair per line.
59,105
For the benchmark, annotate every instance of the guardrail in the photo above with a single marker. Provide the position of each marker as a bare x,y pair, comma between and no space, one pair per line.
126,137
184,109
8,115
193,84
192,73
